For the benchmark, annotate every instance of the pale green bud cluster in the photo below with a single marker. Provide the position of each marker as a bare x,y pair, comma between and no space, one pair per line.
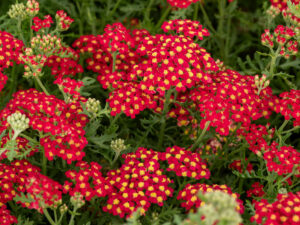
32,7
77,200
221,207
18,11
118,145
93,106
18,122
273,11
46,43
63,209
261,83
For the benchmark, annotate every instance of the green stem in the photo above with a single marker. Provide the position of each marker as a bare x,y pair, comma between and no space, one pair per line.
221,28
44,163
41,85
228,38
114,120
115,158
55,216
162,18
148,10
49,217
114,56
196,10
60,218
273,62
287,177
290,130
73,216
283,126
112,12
13,84
19,27
163,118
199,139
31,31
206,19
28,138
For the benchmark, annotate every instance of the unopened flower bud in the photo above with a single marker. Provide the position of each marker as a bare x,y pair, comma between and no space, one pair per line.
17,11
118,145
282,191
32,8
63,208
267,83
19,122
77,200
256,80
93,105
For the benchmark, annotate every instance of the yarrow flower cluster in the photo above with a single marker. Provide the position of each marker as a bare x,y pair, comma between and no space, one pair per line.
284,38
23,178
257,137
186,27
52,117
282,4
3,80
5,217
237,165
138,183
11,49
190,195
23,148
88,181
185,163
39,24
289,106
63,20
64,62
285,210
69,86
181,3
142,67
256,190
229,97
283,160
32,7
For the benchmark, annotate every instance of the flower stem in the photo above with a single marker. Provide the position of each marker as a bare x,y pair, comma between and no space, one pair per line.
283,126
19,27
114,56
207,20
196,10
112,12
199,139
48,217
162,18
73,216
148,10
273,62
163,118
44,163
41,85
290,130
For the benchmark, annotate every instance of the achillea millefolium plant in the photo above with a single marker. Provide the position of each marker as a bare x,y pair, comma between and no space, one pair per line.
171,112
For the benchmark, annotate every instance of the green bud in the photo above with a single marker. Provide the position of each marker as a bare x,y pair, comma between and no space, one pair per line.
77,200
17,11
118,145
93,106
18,122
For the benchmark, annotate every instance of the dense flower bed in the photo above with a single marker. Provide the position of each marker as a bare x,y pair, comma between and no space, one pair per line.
143,124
